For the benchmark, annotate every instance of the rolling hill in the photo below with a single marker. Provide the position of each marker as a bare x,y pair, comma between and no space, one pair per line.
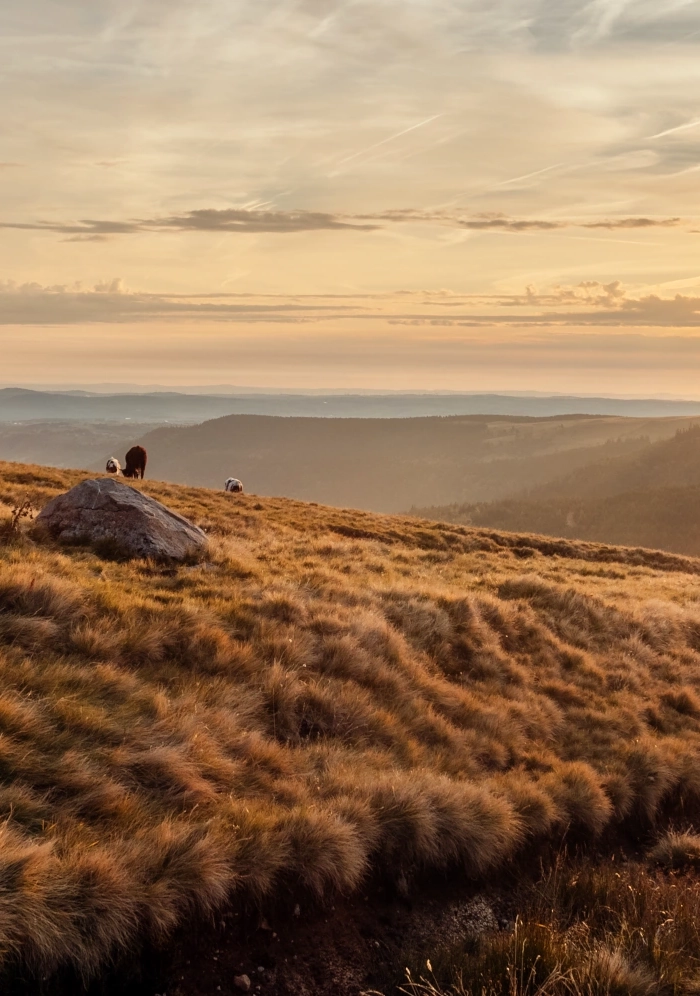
331,696
650,497
65,444
388,465
671,462
662,518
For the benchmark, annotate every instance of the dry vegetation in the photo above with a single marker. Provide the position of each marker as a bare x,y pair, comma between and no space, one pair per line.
608,929
332,693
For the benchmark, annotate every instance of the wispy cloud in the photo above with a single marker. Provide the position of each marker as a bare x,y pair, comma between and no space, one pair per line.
241,220
588,303
501,222
112,302
200,220
627,223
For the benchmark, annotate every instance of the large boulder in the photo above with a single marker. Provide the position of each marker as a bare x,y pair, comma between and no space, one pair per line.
112,515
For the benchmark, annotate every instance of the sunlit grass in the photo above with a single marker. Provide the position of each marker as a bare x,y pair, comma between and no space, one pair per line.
329,694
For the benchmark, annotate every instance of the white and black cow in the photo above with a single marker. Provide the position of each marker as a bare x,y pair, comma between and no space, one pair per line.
113,466
233,485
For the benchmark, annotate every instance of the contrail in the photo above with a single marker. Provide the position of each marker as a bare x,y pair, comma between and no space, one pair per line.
622,242
670,131
526,176
681,172
391,138
503,183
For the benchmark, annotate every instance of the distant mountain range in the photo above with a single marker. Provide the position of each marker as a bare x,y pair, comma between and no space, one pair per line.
21,405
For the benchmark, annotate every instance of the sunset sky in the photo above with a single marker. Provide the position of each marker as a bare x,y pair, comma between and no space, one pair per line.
400,194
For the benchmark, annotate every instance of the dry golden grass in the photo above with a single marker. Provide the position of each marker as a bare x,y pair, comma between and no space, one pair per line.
332,693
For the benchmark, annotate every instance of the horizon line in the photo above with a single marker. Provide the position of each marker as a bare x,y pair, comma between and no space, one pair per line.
213,390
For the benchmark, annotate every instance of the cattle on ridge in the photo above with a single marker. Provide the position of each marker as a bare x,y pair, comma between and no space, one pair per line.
135,462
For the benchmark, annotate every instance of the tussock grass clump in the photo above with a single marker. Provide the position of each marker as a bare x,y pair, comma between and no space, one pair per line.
677,850
288,716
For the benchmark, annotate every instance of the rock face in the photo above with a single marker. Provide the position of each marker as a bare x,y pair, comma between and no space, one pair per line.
110,513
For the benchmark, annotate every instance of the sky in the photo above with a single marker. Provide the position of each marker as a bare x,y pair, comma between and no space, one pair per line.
384,194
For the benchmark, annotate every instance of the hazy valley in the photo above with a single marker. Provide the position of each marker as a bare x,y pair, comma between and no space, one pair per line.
380,464
650,497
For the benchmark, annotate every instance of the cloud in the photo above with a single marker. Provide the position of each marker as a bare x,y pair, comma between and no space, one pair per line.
200,220
595,23
242,221
622,223
237,220
606,306
591,293
81,228
586,304
86,238
112,302
501,222
680,311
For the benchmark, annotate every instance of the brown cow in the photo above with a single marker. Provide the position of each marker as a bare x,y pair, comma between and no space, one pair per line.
135,462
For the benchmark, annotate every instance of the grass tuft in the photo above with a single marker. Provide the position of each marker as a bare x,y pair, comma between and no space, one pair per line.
677,850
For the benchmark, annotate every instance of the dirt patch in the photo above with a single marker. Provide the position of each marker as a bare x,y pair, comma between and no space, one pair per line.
342,949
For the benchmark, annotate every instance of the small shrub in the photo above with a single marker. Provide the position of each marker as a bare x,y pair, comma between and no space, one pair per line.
11,526
677,850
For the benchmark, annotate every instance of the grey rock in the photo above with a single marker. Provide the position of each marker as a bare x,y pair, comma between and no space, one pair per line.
242,982
112,514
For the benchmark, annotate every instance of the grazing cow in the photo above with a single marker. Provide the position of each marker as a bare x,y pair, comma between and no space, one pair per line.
234,485
113,466
135,462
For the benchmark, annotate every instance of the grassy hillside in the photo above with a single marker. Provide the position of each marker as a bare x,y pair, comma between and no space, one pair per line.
388,465
330,696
